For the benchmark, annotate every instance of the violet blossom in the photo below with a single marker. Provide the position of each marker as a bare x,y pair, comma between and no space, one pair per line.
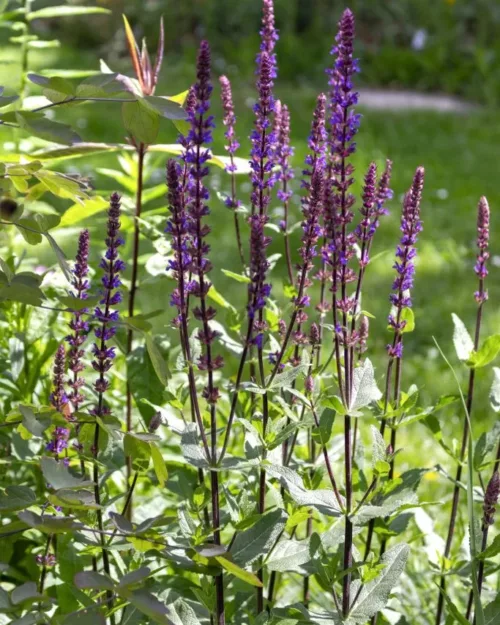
196,156
483,236
111,296
406,252
78,323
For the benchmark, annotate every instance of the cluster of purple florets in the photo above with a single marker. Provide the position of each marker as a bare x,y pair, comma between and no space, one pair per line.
111,296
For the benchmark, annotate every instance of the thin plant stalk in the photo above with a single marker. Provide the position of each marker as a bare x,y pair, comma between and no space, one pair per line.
481,296
141,152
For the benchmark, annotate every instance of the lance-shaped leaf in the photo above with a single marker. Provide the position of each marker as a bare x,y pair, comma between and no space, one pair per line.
374,595
49,524
464,345
364,387
58,476
322,500
258,540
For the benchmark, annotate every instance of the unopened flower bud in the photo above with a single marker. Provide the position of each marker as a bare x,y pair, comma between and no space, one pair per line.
491,498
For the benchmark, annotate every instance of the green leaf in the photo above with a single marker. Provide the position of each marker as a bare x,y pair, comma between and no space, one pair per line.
58,476
140,121
486,443
364,387
159,465
492,612
375,594
234,569
159,364
23,287
26,592
454,611
236,276
148,604
464,345
290,556
322,500
65,11
49,524
16,356
61,258
166,107
491,551
17,498
258,540
495,390
40,126
79,212
145,381
486,353
93,580
138,450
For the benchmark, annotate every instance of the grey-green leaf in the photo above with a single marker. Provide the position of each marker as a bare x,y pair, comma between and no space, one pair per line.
257,541
464,345
374,595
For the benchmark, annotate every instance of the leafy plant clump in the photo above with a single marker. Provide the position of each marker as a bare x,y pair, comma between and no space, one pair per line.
244,466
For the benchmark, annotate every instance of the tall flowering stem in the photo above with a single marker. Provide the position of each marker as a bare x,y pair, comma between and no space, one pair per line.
196,157
312,212
229,121
491,496
284,152
177,228
481,295
344,124
78,325
106,318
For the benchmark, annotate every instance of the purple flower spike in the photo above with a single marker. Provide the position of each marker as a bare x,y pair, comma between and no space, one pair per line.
491,499
112,265
58,396
365,229
483,236
177,228
196,156
344,121
229,119
78,325
284,151
269,35
406,252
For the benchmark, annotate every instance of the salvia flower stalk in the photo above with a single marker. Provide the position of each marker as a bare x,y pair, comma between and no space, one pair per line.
196,157
481,295
284,153
103,354
78,325
232,145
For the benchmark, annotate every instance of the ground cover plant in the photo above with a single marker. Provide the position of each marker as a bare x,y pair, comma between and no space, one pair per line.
244,464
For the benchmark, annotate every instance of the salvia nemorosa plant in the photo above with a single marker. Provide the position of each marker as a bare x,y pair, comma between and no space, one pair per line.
254,499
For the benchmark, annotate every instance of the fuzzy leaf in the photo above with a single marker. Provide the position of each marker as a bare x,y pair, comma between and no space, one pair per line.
365,389
234,569
290,556
93,580
374,595
322,500
464,345
495,390
257,541
58,476
159,465
486,353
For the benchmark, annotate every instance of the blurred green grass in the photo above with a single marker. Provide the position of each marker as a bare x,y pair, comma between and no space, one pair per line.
459,151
